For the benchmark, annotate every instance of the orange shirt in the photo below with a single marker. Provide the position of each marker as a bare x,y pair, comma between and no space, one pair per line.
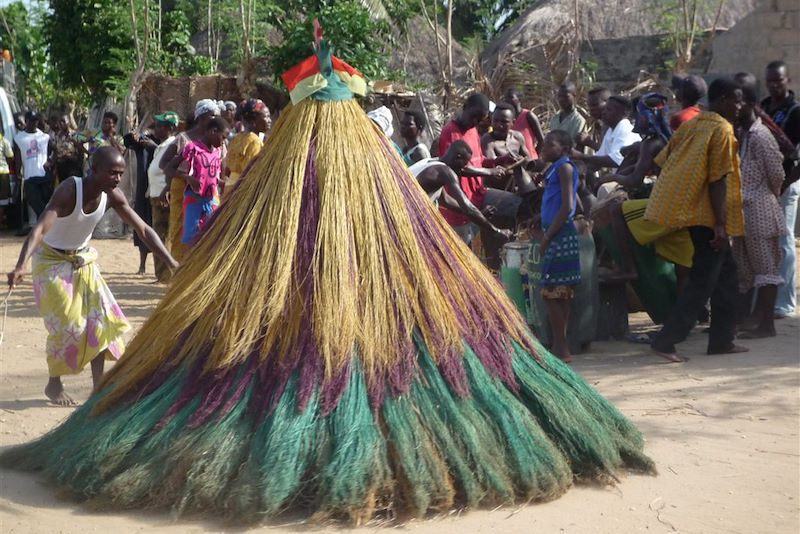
684,115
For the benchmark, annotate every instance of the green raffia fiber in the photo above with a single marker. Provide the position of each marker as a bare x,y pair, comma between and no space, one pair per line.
596,438
424,452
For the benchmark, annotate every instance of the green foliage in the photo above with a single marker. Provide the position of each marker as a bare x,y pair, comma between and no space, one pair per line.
177,55
679,21
68,49
358,39
38,83
23,37
90,43
228,22
471,18
586,72
401,11
485,18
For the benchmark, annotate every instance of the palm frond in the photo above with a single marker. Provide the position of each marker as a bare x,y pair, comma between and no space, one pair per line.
376,8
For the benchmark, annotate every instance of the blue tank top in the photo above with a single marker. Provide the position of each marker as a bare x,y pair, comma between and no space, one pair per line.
551,201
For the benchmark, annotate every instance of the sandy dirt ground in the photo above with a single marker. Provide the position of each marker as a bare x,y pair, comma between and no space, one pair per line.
723,431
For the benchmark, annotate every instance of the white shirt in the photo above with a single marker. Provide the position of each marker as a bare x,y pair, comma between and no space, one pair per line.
74,231
33,150
616,138
155,176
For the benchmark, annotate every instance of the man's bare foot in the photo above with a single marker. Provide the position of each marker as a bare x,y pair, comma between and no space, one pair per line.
733,349
671,357
55,392
141,272
757,333
750,323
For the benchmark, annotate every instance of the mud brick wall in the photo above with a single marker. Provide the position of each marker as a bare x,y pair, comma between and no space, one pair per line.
769,33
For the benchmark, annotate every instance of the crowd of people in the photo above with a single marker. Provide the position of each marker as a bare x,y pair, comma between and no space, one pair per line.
713,188
219,141
70,178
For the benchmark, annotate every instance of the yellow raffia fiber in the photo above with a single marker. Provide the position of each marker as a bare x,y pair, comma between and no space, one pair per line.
239,289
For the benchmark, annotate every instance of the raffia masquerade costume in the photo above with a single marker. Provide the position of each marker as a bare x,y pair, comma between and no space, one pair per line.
325,363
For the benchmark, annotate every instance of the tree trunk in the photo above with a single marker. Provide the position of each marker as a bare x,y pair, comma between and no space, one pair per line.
142,48
449,84
210,37
245,16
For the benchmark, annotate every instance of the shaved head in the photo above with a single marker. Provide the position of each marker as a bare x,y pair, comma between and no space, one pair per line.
108,167
105,157
459,147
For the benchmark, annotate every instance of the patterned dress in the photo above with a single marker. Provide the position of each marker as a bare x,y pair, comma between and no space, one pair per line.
561,263
758,253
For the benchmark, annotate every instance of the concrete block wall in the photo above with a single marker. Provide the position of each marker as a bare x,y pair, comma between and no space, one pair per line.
770,32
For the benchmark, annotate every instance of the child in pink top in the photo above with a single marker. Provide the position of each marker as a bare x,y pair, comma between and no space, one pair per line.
202,160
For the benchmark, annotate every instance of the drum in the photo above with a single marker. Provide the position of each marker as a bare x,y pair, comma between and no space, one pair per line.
656,285
513,273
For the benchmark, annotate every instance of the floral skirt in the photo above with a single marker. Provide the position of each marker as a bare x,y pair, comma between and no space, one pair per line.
80,313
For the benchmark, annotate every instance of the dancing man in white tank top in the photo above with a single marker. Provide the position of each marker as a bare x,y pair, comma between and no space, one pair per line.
84,323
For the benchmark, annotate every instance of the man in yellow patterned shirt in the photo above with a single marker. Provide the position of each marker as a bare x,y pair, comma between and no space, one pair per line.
699,188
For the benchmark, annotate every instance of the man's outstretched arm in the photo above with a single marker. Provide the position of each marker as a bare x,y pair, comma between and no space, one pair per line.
145,232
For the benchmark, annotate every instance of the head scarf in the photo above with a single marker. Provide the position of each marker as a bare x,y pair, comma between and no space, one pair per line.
229,105
383,118
651,116
204,106
252,105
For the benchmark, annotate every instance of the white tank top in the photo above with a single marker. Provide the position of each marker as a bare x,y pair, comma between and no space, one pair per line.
422,165
74,231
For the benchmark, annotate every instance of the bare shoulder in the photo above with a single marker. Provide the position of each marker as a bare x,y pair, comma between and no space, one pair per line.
116,198
518,135
446,174
63,199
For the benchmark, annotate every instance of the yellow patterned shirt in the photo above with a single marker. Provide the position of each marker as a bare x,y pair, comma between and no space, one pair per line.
244,148
700,152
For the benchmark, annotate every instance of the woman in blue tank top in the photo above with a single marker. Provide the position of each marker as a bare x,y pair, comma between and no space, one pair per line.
561,269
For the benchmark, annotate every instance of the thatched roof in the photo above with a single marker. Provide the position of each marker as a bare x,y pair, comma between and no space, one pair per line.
596,20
